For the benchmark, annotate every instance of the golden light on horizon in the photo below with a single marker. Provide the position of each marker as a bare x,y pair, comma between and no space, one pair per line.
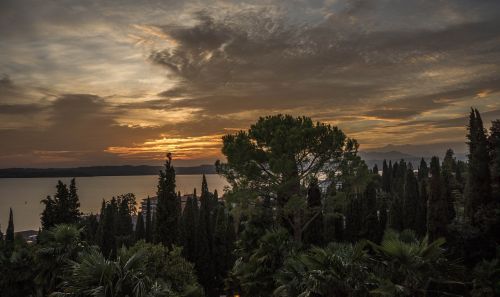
182,148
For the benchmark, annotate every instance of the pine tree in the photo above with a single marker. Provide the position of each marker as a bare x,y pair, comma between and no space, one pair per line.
478,179
167,211
140,232
314,231
438,218
149,226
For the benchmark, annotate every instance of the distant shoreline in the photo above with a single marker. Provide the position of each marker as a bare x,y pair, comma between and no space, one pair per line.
94,171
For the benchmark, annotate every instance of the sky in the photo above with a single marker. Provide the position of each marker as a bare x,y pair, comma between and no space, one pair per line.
124,81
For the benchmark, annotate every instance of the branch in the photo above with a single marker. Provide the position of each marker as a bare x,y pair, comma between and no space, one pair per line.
304,228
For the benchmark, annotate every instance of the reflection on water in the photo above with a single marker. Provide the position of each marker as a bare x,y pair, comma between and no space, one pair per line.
24,194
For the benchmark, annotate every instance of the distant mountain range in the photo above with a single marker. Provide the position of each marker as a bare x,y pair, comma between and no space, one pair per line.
411,153
100,171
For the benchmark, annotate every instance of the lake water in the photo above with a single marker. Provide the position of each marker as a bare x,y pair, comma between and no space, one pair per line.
24,194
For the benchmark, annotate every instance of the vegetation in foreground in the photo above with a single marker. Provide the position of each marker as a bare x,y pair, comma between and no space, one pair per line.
305,217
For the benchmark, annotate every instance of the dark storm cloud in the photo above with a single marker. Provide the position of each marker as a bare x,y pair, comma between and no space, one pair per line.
411,106
22,109
80,125
259,60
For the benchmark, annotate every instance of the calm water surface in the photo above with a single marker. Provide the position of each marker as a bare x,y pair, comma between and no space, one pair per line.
24,194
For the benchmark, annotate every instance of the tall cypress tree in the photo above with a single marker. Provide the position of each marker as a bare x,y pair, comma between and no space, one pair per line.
108,238
370,221
449,183
9,233
100,226
411,200
149,226
1,236
421,210
386,178
354,219
438,218
140,231
478,180
222,253
153,227
494,143
190,223
62,203
397,213
167,210
124,227
73,203
383,216
205,263
49,214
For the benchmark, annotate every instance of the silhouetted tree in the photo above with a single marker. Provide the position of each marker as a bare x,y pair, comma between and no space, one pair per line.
205,263
124,227
108,238
189,224
9,233
386,177
73,210
438,218
423,197
411,200
149,226
449,182
494,144
90,232
63,208
140,231
167,210
478,179
370,222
